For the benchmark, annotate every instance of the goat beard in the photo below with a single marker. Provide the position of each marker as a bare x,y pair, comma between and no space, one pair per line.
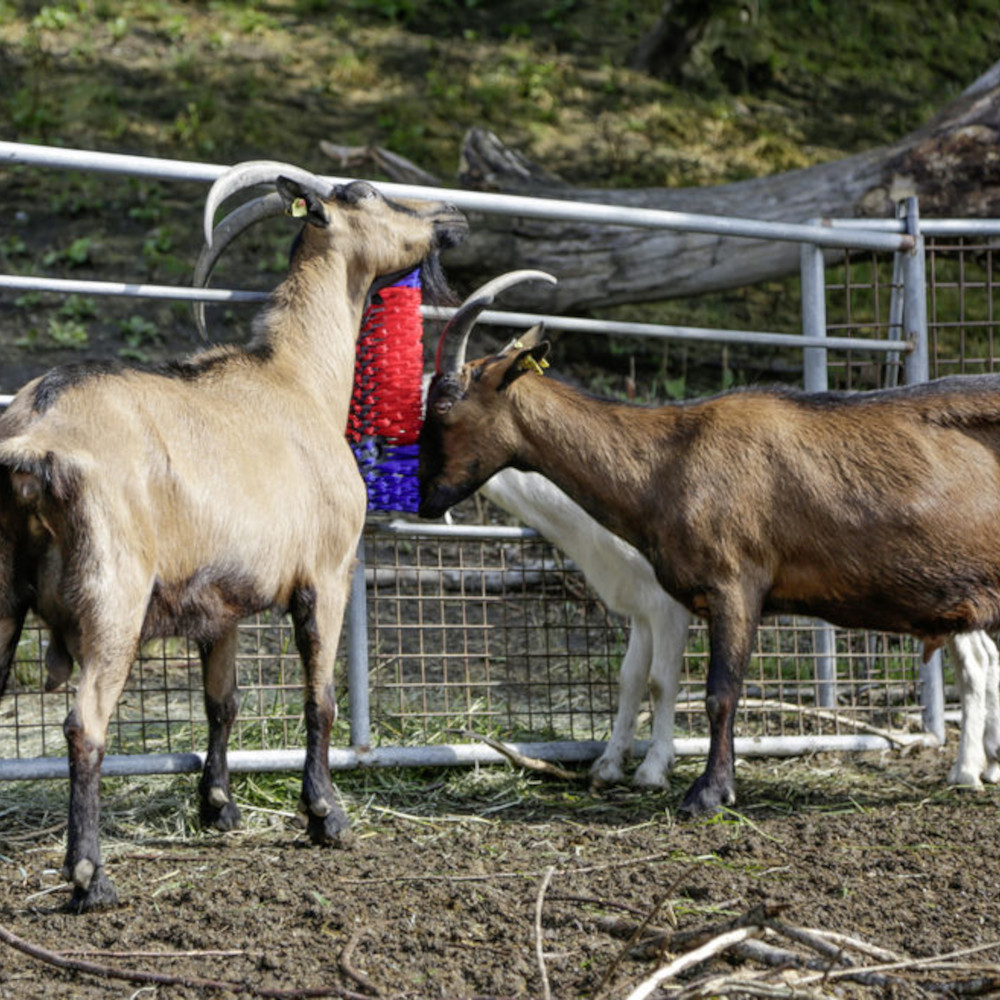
436,289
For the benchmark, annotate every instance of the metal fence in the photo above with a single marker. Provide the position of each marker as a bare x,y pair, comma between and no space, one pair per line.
485,628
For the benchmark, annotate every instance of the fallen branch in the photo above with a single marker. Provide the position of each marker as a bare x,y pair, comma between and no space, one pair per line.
802,973
35,951
692,958
539,947
864,947
642,927
529,763
907,965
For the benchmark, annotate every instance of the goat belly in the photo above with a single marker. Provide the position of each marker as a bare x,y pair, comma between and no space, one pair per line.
202,607
895,613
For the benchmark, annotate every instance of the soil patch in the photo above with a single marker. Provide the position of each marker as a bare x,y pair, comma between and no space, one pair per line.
438,896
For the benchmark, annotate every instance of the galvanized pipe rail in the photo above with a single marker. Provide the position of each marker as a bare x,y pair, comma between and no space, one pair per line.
563,210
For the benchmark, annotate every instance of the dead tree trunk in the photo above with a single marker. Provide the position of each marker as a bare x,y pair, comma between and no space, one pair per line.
952,163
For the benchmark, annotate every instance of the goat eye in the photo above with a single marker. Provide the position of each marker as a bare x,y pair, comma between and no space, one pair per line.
442,406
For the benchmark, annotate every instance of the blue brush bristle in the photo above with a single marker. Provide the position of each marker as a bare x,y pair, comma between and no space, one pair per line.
384,420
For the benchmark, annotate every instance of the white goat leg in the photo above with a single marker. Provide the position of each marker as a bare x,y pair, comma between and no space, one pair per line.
971,652
609,768
991,734
670,631
624,580
977,669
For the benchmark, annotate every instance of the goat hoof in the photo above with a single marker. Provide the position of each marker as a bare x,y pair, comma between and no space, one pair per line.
705,799
964,779
100,894
606,772
223,818
331,830
650,782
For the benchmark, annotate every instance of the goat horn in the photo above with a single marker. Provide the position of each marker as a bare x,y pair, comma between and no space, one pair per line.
464,319
250,174
239,220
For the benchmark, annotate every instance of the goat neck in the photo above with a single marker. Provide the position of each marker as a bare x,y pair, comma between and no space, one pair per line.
536,423
353,241
559,435
310,329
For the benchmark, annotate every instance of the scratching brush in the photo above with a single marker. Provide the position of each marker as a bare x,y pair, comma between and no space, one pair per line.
385,415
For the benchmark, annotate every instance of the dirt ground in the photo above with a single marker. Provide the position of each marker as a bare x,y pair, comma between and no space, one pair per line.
438,896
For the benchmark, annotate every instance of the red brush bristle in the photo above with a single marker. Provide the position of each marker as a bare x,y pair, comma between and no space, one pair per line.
387,379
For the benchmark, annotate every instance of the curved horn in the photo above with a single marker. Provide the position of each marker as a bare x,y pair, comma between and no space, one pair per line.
239,220
250,174
460,326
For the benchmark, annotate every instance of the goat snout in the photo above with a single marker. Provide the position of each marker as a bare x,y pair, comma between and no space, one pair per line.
437,500
451,231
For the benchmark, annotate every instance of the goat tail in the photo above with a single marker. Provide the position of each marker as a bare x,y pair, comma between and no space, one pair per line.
11,623
32,472
13,606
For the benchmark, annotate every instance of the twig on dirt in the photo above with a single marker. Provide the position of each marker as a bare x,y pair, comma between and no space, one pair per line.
624,930
686,961
214,953
760,915
846,941
347,966
937,961
806,974
743,986
529,763
609,904
539,944
771,955
640,928
47,892
33,835
142,976
833,953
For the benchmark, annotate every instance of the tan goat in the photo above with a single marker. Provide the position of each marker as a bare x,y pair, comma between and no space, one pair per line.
138,503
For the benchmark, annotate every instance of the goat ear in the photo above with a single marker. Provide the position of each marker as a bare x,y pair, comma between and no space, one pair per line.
531,359
302,203
532,336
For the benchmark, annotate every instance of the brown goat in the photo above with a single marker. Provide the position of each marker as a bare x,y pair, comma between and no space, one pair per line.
138,503
872,510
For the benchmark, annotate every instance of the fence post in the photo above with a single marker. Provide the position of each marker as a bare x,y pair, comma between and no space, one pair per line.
357,655
816,379
893,361
916,368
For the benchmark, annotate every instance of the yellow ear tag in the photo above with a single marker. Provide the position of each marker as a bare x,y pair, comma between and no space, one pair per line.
528,363
299,208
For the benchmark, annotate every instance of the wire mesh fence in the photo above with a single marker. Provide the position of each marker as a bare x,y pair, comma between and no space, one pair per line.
508,637
963,310
499,637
